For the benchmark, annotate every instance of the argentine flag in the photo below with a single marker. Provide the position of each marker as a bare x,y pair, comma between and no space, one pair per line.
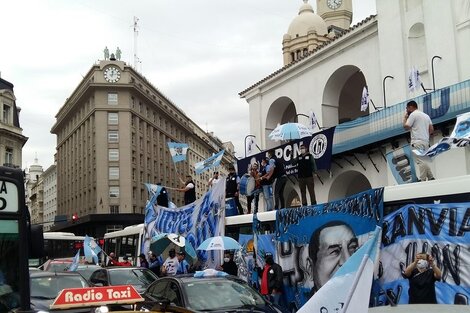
348,291
75,261
178,151
91,249
209,163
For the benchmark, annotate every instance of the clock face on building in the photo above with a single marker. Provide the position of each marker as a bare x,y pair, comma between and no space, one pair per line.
112,74
334,4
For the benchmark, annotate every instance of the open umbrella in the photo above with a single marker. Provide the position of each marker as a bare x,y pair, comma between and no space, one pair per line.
290,131
161,241
219,243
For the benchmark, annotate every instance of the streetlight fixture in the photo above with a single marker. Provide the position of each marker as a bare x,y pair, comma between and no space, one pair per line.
383,88
247,136
297,118
432,71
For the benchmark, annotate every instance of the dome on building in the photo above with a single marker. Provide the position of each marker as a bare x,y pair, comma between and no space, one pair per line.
306,22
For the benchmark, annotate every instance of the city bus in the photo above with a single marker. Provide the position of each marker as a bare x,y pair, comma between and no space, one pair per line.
126,242
445,190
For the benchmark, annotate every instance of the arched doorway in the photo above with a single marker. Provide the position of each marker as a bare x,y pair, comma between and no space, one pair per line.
342,96
281,111
347,184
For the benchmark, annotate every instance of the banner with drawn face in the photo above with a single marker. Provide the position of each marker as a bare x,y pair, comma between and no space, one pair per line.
440,230
312,242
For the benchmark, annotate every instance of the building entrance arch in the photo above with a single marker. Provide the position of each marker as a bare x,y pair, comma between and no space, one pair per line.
342,96
347,184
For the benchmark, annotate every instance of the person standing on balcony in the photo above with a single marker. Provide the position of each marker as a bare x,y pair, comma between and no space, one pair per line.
420,126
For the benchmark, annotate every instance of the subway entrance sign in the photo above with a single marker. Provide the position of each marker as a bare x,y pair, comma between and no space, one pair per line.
8,197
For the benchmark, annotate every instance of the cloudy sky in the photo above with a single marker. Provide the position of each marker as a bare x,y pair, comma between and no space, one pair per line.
199,53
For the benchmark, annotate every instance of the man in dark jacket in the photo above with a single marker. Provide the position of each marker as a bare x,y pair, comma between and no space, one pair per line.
271,279
232,186
306,169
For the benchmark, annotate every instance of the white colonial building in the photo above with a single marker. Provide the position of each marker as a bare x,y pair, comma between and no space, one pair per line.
327,65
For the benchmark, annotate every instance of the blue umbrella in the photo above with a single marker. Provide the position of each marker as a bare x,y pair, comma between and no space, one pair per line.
290,131
219,243
161,241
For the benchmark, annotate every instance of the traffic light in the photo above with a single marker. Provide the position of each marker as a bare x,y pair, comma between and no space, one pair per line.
74,218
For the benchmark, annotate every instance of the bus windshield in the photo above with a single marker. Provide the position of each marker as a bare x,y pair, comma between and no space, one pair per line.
9,270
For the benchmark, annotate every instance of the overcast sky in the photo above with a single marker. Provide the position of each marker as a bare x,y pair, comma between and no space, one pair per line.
199,53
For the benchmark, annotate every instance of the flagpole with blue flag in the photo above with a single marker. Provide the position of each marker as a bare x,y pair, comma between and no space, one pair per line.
91,249
209,163
348,291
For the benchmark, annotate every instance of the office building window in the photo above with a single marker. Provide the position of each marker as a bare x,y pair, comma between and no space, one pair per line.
113,154
114,173
113,118
8,155
113,136
112,98
114,192
114,209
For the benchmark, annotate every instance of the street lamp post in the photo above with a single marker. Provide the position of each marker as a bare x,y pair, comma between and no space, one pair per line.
432,71
297,118
383,87
247,136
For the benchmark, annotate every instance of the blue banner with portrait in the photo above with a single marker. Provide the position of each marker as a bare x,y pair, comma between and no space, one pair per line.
320,145
439,230
196,222
314,241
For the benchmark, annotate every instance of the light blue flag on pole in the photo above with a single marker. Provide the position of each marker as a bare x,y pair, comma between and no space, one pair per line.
178,151
91,249
75,261
209,163
348,291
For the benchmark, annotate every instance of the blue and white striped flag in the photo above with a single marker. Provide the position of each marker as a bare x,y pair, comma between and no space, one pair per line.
209,163
178,151
364,99
414,79
348,291
75,261
91,249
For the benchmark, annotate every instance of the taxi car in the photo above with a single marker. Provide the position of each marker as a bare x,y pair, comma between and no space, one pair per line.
207,294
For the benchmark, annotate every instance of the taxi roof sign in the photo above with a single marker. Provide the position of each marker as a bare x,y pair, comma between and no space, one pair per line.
96,296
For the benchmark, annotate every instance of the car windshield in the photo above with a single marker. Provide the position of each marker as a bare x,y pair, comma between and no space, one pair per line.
48,287
86,271
135,277
212,295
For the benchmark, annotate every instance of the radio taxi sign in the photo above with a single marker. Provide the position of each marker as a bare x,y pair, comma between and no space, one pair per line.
8,197
96,296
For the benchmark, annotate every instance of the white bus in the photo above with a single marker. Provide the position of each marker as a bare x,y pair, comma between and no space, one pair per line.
446,190
126,242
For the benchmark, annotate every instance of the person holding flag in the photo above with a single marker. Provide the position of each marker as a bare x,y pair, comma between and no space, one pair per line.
189,190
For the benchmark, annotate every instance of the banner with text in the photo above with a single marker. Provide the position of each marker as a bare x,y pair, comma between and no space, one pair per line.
441,230
320,145
401,165
314,241
196,222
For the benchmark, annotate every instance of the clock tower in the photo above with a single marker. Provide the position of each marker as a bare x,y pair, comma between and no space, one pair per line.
336,12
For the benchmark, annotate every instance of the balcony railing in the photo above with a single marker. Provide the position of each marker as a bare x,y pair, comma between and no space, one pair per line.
441,105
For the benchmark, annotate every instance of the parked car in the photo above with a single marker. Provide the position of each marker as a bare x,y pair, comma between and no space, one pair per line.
45,286
138,277
57,265
207,294
87,269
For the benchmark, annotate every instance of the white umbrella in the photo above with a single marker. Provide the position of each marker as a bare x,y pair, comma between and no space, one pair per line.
290,131
219,243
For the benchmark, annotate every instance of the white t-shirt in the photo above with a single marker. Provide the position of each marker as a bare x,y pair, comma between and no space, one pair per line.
190,186
171,265
419,123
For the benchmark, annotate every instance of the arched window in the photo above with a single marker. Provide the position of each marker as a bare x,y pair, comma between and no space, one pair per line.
417,47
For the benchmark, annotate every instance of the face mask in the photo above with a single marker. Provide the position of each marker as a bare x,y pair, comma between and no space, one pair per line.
302,150
226,260
422,264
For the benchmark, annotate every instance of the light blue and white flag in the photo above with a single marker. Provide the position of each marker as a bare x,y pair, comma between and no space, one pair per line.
250,146
209,163
364,99
75,261
91,249
414,79
348,291
178,151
